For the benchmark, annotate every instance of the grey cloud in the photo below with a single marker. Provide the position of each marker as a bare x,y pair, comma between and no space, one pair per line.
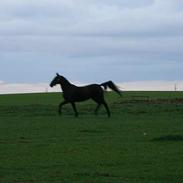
93,46
92,18
137,37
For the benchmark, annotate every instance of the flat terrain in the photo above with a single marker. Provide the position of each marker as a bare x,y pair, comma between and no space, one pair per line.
142,142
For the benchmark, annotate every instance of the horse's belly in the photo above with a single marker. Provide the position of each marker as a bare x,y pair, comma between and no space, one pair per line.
77,96
80,98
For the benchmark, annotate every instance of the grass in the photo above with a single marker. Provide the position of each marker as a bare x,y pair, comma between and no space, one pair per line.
142,142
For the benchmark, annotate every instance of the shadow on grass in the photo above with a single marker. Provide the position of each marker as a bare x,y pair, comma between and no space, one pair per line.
96,174
91,131
168,138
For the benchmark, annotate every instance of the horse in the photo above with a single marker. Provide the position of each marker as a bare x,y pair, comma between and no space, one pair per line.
73,94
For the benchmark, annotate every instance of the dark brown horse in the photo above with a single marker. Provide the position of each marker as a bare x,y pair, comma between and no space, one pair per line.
72,93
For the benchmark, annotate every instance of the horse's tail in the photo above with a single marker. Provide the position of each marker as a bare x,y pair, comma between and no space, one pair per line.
112,86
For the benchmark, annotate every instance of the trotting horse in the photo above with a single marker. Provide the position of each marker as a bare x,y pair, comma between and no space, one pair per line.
72,93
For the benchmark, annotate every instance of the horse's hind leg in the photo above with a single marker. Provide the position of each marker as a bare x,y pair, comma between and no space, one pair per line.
97,108
60,107
74,108
107,109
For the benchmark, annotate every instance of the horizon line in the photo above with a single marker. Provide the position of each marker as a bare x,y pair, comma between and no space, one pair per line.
159,85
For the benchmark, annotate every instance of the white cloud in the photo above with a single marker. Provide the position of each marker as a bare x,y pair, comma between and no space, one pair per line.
153,86
8,88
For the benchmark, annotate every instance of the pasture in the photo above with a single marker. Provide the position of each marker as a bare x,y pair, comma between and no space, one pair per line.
142,142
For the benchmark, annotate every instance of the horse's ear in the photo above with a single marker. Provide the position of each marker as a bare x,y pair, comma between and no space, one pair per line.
57,74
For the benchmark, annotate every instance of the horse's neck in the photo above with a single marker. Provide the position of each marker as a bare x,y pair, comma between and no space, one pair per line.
65,85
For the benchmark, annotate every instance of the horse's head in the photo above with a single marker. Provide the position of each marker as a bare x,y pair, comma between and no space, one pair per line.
57,80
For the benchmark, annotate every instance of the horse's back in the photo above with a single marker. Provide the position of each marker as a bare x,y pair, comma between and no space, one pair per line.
77,94
91,90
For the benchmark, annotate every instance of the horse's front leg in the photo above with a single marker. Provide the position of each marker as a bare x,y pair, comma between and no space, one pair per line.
60,106
74,108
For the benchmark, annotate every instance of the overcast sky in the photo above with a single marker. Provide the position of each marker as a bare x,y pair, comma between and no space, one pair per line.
91,40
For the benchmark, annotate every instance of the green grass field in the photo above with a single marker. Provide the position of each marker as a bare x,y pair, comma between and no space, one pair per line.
142,142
